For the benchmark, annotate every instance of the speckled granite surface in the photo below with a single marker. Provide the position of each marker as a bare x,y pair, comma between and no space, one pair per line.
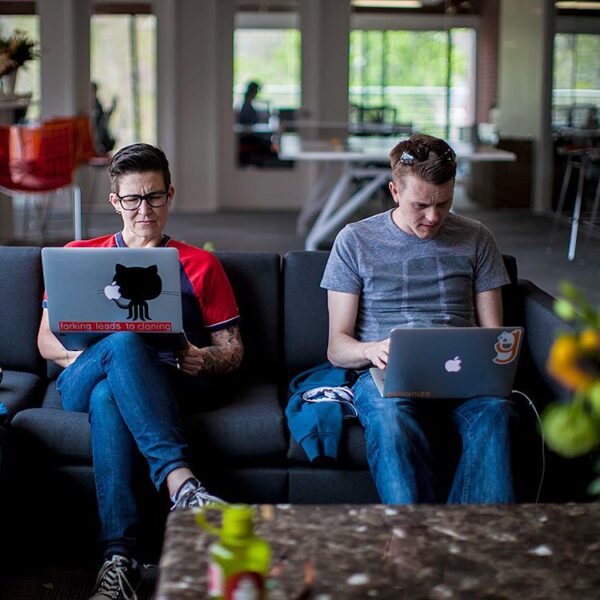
407,552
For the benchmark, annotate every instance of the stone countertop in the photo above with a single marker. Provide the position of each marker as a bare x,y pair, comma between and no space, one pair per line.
406,552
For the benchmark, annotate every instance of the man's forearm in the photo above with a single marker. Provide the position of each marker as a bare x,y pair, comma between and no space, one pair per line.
348,353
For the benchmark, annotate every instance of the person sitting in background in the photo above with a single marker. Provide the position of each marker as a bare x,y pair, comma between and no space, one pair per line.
248,114
103,140
130,390
254,147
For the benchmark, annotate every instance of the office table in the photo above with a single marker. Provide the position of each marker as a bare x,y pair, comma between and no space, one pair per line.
362,158
331,127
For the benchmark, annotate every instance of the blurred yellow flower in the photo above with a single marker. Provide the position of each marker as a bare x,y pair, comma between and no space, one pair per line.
573,428
564,364
589,340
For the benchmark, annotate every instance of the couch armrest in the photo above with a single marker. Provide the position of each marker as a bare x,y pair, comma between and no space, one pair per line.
536,308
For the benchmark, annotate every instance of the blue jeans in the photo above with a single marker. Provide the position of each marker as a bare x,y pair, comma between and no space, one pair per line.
403,462
124,389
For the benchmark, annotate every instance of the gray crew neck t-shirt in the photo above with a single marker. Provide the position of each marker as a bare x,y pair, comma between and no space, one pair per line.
404,281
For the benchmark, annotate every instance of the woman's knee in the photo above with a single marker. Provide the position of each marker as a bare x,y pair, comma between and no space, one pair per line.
101,399
126,342
125,348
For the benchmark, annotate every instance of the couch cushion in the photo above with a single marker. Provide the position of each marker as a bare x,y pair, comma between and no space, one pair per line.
245,427
53,435
244,424
332,486
255,278
20,308
510,262
260,485
19,390
52,397
305,317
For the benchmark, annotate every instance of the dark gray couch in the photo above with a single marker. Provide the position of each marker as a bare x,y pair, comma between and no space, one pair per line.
240,443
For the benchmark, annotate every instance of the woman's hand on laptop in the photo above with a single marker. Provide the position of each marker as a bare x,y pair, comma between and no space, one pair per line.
377,353
191,360
224,355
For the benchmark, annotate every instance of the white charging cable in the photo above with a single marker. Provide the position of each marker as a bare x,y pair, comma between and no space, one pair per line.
537,414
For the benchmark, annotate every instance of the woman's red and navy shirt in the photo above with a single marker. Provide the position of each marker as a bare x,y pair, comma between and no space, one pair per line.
208,303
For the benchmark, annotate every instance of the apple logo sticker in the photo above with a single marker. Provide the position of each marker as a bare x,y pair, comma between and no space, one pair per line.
453,365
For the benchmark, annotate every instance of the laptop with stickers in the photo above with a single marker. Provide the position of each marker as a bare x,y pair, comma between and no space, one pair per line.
450,362
92,292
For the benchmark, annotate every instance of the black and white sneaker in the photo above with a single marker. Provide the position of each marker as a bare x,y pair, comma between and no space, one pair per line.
118,579
192,494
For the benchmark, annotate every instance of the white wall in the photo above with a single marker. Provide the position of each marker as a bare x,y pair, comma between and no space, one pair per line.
197,118
525,85
65,66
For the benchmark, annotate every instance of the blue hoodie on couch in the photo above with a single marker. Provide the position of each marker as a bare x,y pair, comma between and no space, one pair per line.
320,400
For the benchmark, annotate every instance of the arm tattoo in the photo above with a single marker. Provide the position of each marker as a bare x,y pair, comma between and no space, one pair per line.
226,352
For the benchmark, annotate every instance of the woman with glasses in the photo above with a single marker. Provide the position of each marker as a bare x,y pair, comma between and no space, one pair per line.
129,390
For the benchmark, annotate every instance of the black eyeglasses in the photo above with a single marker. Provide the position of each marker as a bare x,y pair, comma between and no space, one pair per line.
134,201
417,155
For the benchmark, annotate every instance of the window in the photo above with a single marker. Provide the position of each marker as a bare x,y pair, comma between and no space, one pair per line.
266,87
424,78
576,89
28,80
123,64
270,57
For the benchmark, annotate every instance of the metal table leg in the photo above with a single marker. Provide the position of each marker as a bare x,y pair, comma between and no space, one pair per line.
577,211
335,218
77,215
316,200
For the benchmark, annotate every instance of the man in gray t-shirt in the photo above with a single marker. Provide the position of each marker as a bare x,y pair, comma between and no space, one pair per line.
417,265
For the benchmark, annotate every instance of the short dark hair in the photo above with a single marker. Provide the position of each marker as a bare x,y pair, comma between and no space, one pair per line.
252,89
138,158
428,158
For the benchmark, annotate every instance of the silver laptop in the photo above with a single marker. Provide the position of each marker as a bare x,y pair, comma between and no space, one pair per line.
450,362
92,292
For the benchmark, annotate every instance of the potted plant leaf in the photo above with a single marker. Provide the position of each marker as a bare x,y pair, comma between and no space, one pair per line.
15,51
